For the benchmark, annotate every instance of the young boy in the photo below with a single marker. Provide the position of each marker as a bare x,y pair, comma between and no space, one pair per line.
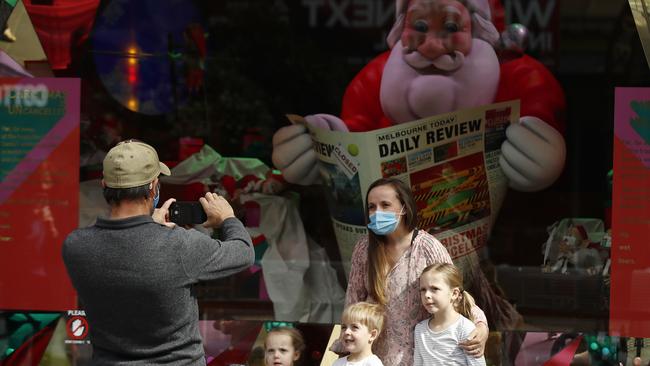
361,324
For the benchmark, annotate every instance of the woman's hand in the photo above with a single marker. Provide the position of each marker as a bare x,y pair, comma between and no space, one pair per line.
474,345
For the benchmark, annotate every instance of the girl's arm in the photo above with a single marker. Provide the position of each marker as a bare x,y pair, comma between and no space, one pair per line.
468,329
474,345
473,361
417,350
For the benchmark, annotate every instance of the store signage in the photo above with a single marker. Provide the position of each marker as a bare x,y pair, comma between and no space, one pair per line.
630,269
39,190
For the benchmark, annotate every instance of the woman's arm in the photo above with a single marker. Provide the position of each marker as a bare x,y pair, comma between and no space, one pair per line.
357,290
356,284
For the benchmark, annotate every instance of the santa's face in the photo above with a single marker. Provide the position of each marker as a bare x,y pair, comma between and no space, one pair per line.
437,31
437,67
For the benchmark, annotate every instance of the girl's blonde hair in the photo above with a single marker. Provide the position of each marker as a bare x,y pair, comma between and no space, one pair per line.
297,341
370,315
377,258
454,278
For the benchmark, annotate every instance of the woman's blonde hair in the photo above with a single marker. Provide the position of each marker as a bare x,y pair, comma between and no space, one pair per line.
377,258
370,315
454,278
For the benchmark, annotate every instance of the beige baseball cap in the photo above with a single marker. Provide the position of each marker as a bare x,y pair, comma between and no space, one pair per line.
132,163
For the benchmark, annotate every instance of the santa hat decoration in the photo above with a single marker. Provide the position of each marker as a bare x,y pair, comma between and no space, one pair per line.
482,26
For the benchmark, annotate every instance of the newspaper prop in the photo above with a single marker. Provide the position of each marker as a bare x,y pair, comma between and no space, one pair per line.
450,161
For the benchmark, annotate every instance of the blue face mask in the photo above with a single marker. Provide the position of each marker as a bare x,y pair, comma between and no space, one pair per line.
383,222
156,198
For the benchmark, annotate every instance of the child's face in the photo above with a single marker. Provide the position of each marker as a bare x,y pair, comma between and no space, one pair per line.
435,293
356,337
279,350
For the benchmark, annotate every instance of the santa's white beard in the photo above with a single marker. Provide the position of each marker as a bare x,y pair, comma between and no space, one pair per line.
407,95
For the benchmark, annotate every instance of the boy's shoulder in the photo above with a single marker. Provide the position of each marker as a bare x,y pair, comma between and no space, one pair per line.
373,361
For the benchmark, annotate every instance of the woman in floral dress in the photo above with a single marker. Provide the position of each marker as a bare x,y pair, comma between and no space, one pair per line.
386,266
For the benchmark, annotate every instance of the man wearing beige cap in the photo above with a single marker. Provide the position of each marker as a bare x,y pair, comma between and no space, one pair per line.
134,271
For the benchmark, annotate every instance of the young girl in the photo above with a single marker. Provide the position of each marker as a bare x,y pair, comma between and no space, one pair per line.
437,338
283,347
361,323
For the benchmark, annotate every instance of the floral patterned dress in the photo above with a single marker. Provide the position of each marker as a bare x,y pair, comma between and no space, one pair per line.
403,309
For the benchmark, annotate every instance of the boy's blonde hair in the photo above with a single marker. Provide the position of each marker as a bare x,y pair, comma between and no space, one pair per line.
370,315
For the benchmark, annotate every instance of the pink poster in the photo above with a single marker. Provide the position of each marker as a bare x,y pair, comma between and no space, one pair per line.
630,286
39,190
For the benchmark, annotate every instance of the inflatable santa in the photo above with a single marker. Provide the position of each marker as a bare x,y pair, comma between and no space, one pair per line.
442,59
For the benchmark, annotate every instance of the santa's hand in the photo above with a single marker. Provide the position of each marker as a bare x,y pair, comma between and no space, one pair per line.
327,122
533,154
293,153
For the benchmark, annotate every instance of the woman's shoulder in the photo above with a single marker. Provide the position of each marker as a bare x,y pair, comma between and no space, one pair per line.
427,246
426,242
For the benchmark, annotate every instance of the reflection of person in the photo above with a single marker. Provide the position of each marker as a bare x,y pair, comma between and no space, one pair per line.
361,324
134,271
385,268
283,346
437,338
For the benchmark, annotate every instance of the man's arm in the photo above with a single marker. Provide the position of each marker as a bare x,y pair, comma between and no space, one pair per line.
205,258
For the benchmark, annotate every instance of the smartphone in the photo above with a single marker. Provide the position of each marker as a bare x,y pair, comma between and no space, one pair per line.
187,213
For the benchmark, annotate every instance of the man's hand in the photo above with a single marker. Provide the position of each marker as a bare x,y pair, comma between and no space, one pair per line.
161,215
533,155
474,345
216,208
292,149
